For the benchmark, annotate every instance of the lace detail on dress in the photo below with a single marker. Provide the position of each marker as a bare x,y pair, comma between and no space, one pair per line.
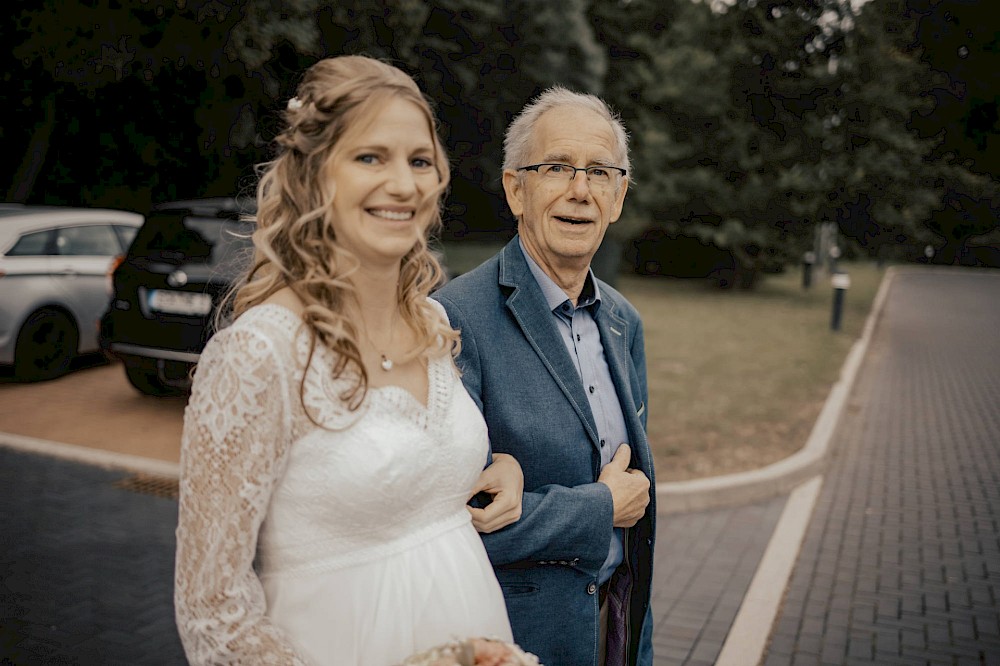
394,478
260,482
235,443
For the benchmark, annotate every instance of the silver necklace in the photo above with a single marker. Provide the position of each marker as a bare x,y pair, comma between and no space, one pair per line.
386,362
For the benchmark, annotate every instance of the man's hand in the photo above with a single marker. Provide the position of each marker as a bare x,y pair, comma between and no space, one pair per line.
504,480
629,488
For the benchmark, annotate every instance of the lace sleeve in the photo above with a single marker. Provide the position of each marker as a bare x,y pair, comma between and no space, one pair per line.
237,430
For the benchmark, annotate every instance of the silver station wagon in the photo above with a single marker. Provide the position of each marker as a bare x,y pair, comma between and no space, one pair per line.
55,266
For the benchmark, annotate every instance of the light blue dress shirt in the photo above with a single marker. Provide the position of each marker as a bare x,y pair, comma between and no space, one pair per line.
582,338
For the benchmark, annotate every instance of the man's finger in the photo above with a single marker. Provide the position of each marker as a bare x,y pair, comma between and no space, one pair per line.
622,457
478,488
493,517
478,515
639,472
487,526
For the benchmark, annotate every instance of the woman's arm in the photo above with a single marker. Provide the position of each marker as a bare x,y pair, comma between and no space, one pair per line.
236,434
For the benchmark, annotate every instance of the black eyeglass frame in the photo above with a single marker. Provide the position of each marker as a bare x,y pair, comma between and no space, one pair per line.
536,167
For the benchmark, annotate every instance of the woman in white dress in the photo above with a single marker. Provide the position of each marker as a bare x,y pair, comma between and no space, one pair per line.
329,448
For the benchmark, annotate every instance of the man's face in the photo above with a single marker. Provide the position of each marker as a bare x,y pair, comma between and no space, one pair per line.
561,221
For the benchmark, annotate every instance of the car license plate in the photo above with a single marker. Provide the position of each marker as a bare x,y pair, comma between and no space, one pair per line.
180,302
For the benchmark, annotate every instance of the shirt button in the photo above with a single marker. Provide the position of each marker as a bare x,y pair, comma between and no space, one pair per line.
577,337
602,443
591,389
592,588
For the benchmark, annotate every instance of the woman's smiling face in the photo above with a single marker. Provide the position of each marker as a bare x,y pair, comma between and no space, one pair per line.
383,176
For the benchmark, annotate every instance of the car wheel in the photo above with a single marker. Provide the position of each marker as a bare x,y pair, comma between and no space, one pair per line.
143,376
45,346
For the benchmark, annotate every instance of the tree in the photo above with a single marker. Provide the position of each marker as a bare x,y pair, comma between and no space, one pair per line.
754,121
165,100
887,178
482,61
719,104
960,40
124,107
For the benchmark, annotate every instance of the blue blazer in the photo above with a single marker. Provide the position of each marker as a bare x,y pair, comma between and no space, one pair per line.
518,371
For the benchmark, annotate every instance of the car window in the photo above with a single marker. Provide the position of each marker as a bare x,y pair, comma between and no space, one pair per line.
229,237
32,245
191,239
88,240
125,234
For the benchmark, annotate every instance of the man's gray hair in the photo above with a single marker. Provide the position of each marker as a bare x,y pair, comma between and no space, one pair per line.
518,141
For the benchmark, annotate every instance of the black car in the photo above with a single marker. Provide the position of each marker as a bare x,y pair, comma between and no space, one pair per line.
168,287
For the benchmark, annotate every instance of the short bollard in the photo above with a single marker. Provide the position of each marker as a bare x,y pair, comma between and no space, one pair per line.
841,282
808,259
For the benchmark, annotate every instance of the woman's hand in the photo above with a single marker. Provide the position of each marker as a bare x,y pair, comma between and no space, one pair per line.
504,481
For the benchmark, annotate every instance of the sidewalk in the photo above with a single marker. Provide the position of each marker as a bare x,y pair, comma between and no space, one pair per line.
900,562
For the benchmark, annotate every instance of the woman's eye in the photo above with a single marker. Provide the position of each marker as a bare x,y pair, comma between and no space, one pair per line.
421,163
368,158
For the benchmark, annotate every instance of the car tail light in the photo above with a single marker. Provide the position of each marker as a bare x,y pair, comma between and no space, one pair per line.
109,276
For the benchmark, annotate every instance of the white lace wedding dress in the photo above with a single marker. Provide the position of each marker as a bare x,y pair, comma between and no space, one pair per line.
364,550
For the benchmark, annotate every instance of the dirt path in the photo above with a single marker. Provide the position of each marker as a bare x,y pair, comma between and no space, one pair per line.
94,406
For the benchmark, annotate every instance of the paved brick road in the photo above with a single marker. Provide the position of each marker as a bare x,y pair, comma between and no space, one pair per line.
86,569
703,565
901,562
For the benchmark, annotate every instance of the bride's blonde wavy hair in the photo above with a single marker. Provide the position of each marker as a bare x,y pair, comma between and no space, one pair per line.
294,243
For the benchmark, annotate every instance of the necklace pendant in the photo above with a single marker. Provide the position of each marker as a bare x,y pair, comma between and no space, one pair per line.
386,363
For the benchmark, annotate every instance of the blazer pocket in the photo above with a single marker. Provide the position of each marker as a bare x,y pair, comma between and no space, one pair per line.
518,589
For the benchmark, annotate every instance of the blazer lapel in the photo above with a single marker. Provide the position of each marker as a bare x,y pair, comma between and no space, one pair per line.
532,314
614,338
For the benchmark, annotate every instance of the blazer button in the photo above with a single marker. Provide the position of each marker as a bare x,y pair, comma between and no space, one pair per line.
592,588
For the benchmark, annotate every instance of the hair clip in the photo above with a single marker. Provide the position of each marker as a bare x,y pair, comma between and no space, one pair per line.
294,104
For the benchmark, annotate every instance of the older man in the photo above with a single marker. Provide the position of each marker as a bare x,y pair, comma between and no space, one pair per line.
554,358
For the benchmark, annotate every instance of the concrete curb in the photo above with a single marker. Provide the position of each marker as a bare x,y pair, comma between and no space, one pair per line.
750,631
780,477
89,456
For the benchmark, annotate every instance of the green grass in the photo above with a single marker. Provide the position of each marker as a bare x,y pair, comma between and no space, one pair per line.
736,378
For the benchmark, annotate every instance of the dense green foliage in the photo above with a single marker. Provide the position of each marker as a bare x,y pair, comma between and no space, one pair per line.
752,120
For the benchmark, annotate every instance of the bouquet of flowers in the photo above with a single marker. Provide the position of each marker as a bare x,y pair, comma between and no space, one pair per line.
473,652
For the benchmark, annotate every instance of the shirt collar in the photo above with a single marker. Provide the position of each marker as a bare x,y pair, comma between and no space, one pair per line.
555,297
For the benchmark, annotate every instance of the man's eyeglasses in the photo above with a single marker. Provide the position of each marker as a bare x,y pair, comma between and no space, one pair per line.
598,176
